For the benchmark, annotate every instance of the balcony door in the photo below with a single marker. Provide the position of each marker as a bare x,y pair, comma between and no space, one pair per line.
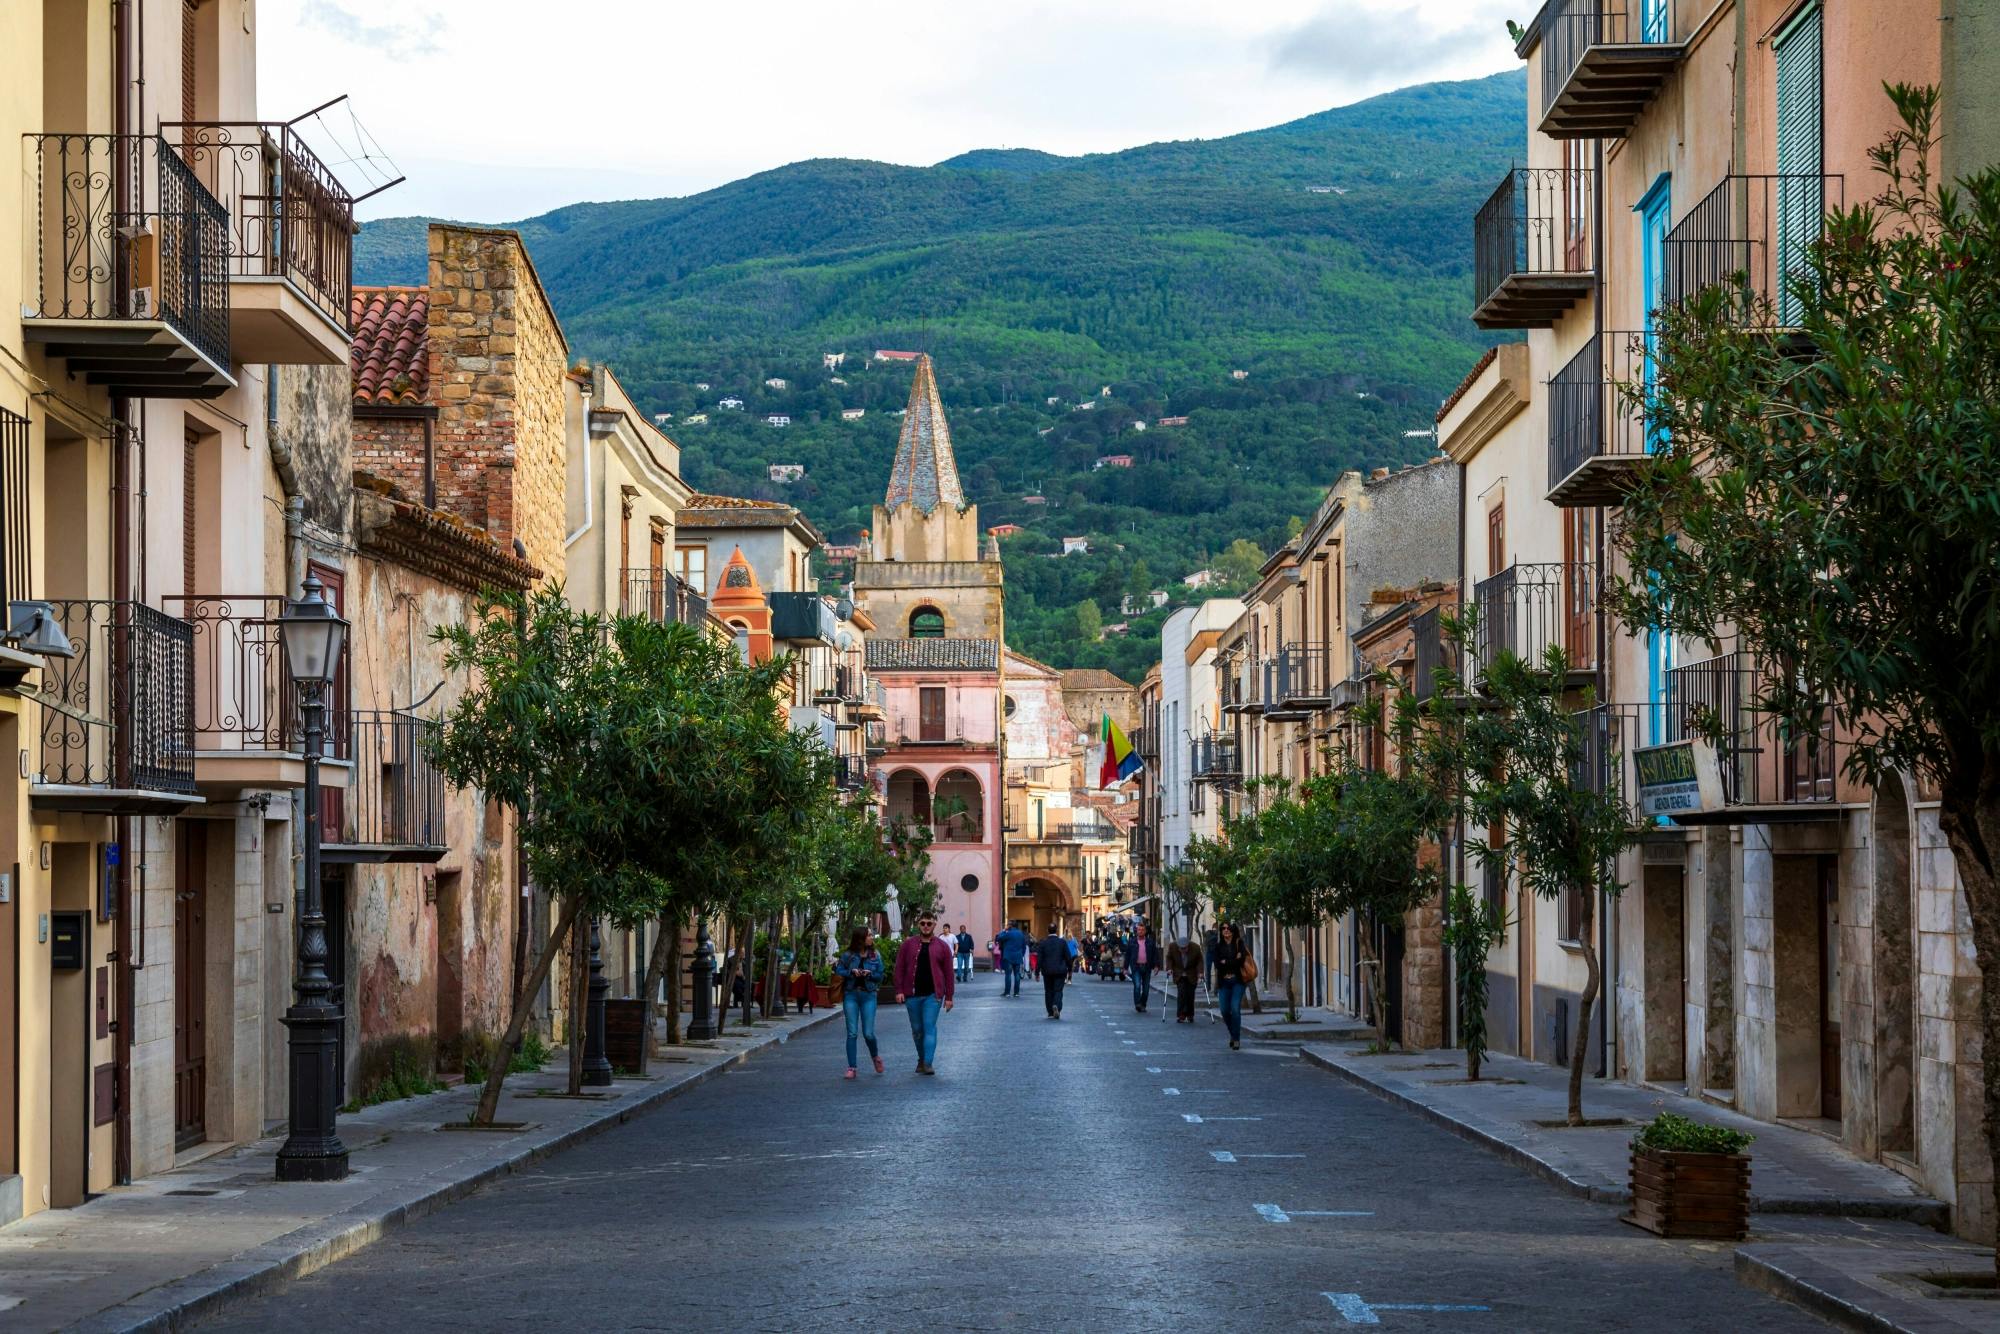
930,713
1653,21
190,983
1801,154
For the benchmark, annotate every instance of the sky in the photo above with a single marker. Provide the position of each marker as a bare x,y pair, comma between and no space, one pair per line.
497,110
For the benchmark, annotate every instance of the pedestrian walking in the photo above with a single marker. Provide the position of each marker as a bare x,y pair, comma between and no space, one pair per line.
964,955
1234,969
1142,956
860,973
1056,966
924,986
993,956
1034,958
1184,967
1013,952
1075,951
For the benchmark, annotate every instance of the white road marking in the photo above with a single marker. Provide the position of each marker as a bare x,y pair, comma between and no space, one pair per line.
1358,1312
1194,1120
1273,1214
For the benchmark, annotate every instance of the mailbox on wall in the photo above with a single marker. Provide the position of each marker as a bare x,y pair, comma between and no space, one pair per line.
67,934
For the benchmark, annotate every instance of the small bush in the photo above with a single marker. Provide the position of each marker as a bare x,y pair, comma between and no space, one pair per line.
478,1053
1674,1133
392,1069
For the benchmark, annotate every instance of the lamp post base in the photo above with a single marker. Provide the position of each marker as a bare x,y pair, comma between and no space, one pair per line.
313,1163
313,1151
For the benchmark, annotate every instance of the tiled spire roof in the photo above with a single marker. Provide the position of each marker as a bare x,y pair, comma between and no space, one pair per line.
924,474
391,360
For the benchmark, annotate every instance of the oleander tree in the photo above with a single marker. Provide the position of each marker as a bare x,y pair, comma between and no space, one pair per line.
1833,498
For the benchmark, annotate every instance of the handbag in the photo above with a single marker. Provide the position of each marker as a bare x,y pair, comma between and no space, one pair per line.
1249,968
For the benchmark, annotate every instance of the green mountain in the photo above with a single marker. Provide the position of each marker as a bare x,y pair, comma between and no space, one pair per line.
1328,258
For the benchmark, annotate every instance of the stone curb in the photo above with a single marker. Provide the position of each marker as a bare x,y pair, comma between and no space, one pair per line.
1838,1300
1927,1212
175,1305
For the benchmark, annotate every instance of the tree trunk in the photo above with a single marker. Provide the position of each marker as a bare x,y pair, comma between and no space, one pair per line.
722,999
774,985
579,981
749,968
496,1073
674,987
1969,818
1378,1009
649,984
1580,1048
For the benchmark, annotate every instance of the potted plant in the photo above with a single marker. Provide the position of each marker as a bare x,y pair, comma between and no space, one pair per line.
1690,1179
826,991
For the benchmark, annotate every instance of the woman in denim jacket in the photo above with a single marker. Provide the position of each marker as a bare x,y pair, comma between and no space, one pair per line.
860,973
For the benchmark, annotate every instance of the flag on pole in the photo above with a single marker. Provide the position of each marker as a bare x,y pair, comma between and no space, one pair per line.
1120,760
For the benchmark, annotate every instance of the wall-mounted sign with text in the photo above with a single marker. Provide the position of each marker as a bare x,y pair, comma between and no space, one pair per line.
1677,779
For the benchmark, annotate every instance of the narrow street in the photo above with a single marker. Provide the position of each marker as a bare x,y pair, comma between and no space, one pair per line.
1045,1179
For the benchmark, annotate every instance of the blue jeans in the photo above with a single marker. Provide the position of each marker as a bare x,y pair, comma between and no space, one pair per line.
924,1024
1142,985
1010,979
859,1006
965,967
1229,999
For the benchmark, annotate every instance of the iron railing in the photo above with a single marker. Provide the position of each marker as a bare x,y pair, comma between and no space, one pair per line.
1570,28
394,797
17,574
1528,609
161,251
1081,832
244,695
1213,757
1536,222
875,736
850,772
1302,676
1763,760
289,215
120,713
1755,233
1428,648
1605,734
1593,411
663,598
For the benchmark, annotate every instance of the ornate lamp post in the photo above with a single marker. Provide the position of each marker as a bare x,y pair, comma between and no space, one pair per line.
313,634
702,1025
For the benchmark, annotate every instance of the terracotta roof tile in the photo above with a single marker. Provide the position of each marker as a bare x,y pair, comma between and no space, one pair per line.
705,502
390,351
944,655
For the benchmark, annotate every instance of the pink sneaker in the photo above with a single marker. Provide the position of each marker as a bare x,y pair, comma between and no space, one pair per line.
850,1072
878,1065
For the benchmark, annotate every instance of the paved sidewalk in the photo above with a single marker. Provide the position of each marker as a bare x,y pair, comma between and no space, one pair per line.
1511,1108
157,1253
1313,1026
1873,1283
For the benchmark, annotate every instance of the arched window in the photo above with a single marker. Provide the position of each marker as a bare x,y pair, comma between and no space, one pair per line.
909,798
927,623
958,808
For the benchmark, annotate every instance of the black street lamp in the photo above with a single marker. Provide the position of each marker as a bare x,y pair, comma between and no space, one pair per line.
702,1025
313,634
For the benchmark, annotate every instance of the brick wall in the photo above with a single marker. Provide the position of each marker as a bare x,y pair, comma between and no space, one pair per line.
392,448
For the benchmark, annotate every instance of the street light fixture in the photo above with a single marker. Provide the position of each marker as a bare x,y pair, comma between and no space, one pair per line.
313,634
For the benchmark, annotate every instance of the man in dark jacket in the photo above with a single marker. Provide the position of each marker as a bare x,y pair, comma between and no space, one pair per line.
1056,965
925,982
1013,950
1142,956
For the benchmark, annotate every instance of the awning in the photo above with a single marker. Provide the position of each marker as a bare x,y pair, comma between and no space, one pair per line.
1127,907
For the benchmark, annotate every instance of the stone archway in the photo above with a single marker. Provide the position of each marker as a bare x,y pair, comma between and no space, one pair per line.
1894,965
1055,903
909,798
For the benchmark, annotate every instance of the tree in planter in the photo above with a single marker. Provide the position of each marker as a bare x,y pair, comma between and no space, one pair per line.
1472,930
1832,498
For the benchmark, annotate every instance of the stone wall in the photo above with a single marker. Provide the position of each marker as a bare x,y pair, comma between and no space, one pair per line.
1423,976
314,406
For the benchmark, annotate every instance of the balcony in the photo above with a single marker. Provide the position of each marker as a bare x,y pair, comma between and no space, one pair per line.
1603,62
291,239
1350,693
1528,609
1607,733
1755,234
1531,252
1305,680
803,619
127,265
1239,682
1146,742
1276,689
876,737
1598,434
662,598
118,718
247,728
1213,758
1428,647
850,772
392,809
1770,773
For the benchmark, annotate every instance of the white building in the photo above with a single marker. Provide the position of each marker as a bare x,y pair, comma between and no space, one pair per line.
733,404
1076,546
777,419
1189,708
785,472
695,419
776,382
853,414
832,360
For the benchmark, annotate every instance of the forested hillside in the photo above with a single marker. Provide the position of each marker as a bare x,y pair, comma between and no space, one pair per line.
1328,259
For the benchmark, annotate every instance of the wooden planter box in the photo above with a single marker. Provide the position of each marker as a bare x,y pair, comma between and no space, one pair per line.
1691,1194
624,1029
826,997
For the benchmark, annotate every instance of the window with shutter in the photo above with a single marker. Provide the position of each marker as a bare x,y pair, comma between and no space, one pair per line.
188,493
1800,153
188,59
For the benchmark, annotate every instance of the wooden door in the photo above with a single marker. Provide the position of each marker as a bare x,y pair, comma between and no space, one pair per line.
190,984
930,713
1829,988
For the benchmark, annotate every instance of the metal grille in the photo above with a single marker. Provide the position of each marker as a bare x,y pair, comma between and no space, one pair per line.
1763,758
663,598
1572,27
1753,233
1537,221
17,575
244,695
1528,609
1593,412
120,712
395,796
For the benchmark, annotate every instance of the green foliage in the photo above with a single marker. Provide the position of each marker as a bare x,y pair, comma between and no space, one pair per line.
1155,271
1472,930
530,1056
392,1069
1239,564
1673,1133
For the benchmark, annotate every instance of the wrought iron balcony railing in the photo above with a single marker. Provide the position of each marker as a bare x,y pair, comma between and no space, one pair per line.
244,696
1603,61
127,273
1763,760
1598,434
850,772
118,717
663,598
1756,234
392,809
1607,733
290,218
1532,257
1528,609
1213,758
1304,676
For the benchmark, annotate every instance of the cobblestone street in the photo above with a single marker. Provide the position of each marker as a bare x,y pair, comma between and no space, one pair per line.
1108,1172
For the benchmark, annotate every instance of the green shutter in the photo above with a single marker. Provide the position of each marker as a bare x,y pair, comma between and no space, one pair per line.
1801,158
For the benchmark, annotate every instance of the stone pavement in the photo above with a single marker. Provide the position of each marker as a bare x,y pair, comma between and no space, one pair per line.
164,1250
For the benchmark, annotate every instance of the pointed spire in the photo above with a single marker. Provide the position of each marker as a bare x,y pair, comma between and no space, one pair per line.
925,473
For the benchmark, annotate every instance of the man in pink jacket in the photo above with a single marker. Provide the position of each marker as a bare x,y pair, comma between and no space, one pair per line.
924,985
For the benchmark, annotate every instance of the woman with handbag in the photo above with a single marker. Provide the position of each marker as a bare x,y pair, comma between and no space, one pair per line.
1234,969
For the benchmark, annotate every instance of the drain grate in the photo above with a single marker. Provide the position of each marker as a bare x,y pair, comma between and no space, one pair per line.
194,1192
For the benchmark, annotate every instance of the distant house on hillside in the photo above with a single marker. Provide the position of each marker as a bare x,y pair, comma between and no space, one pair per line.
1112,461
776,382
1200,579
1138,604
1034,500
1087,405
662,418
695,419
1104,392
1171,421
1239,375
853,414
701,386
1005,530
777,419
1138,426
884,354
785,472
842,551
1116,628
1076,546
733,404
832,360
836,380
1053,399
